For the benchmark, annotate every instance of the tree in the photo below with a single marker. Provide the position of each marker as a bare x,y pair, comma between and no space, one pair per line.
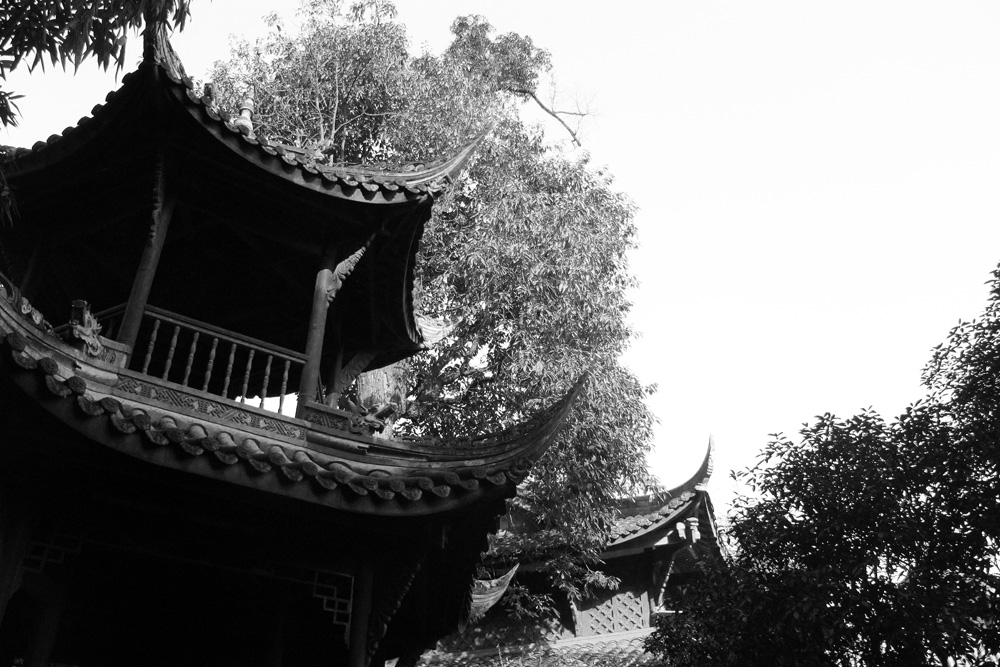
65,32
526,254
867,542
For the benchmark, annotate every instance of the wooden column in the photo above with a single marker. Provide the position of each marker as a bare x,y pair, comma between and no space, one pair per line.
317,325
15,538
273,650
159,221
51,600
361,610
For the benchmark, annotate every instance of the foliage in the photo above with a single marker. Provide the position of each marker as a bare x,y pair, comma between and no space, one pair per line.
527,251
67,31
867,542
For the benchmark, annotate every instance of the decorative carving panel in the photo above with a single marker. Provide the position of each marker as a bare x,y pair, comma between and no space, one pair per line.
216,410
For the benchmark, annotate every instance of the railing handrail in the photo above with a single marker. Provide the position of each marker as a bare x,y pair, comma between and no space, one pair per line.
222,334
108,312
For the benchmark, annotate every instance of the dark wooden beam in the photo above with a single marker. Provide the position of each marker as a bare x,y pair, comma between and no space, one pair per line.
16,522
163,205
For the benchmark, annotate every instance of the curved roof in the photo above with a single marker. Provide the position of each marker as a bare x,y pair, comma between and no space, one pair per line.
177,427
378,183
643,514
247,211
640,516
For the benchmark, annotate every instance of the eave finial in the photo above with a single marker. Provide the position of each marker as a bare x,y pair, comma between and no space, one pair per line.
244,122
699,480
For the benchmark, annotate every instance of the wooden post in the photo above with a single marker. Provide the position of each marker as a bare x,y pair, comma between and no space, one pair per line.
163,207
317,325
361,609
51,599
15,539
272,653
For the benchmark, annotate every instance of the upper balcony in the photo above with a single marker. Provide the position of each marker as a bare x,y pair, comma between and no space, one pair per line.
204,400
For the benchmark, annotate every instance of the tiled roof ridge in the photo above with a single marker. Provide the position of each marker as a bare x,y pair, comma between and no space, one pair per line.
514,432
625,528
698,481
410,180
656,510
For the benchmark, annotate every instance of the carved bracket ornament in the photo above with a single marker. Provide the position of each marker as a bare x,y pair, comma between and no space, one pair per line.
335,279
84,327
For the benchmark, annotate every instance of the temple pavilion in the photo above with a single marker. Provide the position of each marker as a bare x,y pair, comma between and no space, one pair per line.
168,282
654,551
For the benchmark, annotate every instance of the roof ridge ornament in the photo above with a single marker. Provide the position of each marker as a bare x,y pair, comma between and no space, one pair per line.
244,121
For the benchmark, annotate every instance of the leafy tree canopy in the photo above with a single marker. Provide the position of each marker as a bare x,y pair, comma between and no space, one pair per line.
527,251
67,31
866,542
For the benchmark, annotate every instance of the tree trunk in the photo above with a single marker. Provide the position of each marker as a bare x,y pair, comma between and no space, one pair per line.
381,387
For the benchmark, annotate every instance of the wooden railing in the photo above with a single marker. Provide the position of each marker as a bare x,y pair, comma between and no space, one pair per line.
195,354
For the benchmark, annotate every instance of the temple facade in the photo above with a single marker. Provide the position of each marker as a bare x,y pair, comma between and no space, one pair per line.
653,550
168,283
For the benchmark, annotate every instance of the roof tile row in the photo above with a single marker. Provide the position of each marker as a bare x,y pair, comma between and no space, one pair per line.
259,456
413,179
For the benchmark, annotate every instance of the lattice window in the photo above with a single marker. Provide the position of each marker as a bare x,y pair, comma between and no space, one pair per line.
335,590
624,611
52,550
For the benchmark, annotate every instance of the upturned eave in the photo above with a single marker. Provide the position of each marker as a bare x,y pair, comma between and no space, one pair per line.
178,427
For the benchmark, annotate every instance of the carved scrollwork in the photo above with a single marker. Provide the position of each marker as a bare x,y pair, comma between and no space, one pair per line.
33,315
335,279
84,327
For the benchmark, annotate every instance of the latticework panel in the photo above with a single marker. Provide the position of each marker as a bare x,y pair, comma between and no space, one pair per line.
336,592
622,612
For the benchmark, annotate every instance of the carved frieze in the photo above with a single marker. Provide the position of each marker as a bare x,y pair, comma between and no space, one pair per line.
216,410
338,420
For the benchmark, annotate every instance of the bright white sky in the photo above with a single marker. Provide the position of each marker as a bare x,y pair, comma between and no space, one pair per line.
817,185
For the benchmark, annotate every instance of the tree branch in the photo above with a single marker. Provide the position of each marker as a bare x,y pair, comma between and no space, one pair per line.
554,114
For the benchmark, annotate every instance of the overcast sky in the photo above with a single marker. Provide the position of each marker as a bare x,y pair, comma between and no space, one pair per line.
817,184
